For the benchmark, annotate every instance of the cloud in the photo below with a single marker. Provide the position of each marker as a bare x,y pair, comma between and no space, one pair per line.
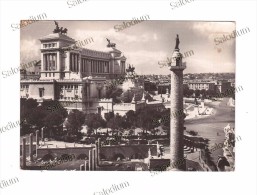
155,37
145,44
207,28
146,62
100,42
213,30
195,65
30,50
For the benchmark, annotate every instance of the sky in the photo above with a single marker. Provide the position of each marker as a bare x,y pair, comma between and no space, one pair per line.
145,43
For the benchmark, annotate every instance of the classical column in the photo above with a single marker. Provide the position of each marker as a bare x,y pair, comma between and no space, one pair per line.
37,140
31,147
47,61
176,109
98,152
23,153
89,160
96,156
42,134
54,62
85,165
79,63
37,137
81,167
75,62
69,61
44,62
72,62
93,159
82,65
50,62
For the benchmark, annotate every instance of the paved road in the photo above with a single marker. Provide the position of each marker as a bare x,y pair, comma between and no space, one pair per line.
209,126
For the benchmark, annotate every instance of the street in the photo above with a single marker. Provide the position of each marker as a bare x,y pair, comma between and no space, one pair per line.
208,127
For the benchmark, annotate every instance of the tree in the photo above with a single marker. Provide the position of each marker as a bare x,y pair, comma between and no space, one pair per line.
25,129
52,121
115,123
55,106
76,119
203,93
108,116
131,118
114,93
197,93
165,119
145,120
211,93
94,121
190,92
27,106
186,91
36,117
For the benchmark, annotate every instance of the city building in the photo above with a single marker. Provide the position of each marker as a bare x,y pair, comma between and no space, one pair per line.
201,85
163,87
222,86
76,77
68,73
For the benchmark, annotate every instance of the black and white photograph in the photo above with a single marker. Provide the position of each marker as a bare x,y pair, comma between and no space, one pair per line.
109,97
133,95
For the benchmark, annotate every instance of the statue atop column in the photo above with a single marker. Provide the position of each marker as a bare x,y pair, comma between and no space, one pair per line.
177,42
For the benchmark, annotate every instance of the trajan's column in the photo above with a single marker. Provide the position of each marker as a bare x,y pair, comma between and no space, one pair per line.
176,109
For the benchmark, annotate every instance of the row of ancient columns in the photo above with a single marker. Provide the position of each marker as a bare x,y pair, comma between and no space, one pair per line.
30,148
93,158
94,154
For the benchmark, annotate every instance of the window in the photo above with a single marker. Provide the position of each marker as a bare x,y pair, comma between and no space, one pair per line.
41,92
49,74
53,74
76,86
46,74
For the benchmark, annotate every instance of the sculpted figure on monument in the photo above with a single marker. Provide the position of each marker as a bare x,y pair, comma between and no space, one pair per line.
59,30
110,44
177,42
